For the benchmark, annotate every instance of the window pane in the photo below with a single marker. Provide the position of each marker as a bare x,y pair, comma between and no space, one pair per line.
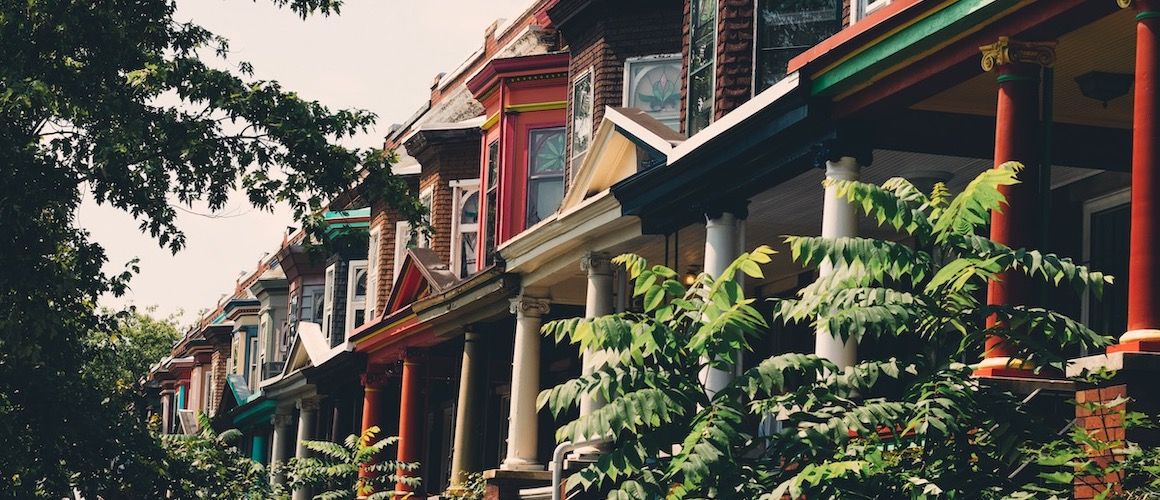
492,225
786,29
469,211
700,100
492,164
547,151
581,113
467,249
544,198
360,283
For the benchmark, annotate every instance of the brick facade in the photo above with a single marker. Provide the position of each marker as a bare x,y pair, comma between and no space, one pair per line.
734,79
686,20
383,217
219,364
601,37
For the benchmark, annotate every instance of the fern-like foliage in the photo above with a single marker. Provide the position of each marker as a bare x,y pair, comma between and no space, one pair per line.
915,425
333,469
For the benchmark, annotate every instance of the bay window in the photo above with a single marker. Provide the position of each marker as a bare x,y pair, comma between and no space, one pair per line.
545,173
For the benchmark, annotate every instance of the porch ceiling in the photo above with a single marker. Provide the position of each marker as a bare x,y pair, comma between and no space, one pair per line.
1107,44
795,208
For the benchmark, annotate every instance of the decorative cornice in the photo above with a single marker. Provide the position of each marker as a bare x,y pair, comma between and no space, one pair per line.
375,377
1009,51
596,264
535,106
282,418
529,306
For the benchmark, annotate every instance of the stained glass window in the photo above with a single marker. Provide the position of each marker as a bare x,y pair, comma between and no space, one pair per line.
466,227
702,65
581,113
654,86
786,29
545,173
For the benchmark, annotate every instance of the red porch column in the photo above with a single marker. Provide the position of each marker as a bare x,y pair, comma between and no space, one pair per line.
1144,251
411,404
373,381
1016,139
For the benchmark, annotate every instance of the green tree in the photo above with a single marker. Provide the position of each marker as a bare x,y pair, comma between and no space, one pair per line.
120,100
121,358
208,465
333,469
914,425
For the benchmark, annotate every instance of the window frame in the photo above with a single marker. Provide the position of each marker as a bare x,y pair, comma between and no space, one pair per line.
328,297
460,189
627,87
374,246
757,48
695,34
541,178
1107,201
490,190
859,9
353,302
254,369
589,74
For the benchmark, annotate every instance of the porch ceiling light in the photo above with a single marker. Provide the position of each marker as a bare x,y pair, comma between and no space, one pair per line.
1104,86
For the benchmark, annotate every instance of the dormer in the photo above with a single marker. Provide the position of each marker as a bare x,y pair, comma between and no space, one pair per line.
523,147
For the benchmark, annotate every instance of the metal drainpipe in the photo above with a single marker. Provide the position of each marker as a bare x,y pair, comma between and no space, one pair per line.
558,462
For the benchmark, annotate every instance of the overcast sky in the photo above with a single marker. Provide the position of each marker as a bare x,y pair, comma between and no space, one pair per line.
379,55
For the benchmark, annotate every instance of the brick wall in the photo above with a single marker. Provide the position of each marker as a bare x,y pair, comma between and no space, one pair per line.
602,38
734,79
338,309
686,18
384,218
220,363
1104,424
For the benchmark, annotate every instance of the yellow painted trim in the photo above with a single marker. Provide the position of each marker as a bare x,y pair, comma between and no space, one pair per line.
490,122
535,106
928,52
389,326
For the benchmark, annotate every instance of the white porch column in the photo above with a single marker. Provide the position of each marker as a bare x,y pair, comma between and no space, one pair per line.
522,420
839,219
465,455
307,415
597,302
722,245
279,451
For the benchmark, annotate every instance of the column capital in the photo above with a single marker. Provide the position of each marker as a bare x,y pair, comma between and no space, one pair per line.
596,264
1147,9
715,209
282,418
1007,51
309,403
529,306
845,169
848,144
414,355
375,377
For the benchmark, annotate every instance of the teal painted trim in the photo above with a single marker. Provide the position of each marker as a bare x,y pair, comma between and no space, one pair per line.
181,397
908,42
336,229
1016,78
1147,14
344,214
258,448
259,411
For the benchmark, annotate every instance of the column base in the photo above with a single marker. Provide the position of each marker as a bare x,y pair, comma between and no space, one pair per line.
1145,340
520,464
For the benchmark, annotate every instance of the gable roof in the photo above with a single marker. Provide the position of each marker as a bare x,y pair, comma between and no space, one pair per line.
310,349
623,136
421,274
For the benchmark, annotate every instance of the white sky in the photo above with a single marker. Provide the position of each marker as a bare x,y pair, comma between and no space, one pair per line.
379,55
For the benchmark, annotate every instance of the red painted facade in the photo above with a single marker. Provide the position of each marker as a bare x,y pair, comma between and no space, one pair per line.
519,95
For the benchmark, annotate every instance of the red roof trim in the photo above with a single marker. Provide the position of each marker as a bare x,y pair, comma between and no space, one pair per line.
516,66
863,31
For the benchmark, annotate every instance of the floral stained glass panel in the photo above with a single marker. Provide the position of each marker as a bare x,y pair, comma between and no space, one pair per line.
654,86
545,173
581,113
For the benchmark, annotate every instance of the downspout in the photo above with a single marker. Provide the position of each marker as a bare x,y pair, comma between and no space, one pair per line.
558,461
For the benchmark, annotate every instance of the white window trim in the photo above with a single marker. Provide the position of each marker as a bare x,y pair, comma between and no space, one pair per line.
626,91
352,303
458,188
373,261
328,293
859,9
1090,207
590,75
254,369
402,236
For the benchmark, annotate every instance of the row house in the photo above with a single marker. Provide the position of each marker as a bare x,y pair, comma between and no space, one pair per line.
687,131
